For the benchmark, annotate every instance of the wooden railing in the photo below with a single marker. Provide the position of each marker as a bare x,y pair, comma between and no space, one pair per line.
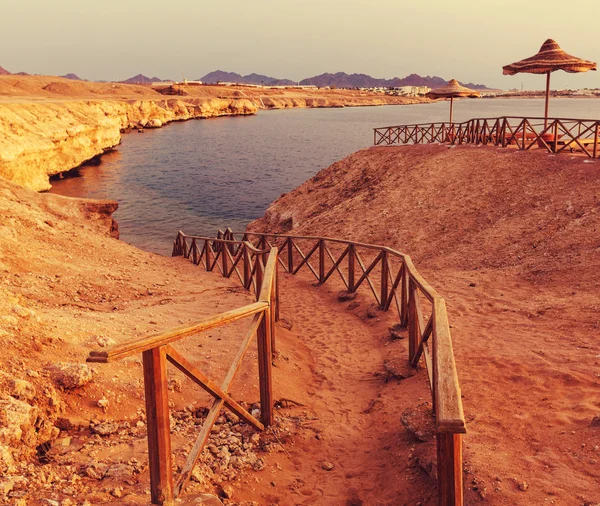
553,134
260,271
394,282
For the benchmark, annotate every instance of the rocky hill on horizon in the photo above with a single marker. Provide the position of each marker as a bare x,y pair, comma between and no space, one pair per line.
233,77
141,79
4,72
72,76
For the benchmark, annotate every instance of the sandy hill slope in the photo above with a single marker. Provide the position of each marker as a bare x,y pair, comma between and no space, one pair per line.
511,239
68,287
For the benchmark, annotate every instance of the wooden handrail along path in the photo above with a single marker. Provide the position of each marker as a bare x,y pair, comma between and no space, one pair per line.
394,282
554,134
260,275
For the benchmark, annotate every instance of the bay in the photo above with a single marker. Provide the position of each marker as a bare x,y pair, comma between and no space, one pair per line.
202,175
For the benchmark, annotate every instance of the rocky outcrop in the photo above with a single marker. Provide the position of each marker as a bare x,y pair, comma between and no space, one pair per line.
38,140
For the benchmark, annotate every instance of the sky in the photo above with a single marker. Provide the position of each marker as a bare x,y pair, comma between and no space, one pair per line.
294,39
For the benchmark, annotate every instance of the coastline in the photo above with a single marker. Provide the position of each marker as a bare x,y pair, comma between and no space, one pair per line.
51,125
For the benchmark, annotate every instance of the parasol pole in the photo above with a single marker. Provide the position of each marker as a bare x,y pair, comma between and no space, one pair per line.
451,105
547,100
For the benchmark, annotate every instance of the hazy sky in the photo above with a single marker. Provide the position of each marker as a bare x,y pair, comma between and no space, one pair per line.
294,39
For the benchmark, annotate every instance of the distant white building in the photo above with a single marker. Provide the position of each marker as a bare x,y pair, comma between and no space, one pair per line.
161,84
413,91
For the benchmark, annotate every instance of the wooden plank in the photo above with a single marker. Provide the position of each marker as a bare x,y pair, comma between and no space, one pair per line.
425,334
201,441
269,275
449,467
448,402
265,357
210,386
429,364
147,343
159,429
395,282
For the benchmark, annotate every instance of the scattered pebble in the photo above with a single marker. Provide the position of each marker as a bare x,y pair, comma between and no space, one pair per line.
328,466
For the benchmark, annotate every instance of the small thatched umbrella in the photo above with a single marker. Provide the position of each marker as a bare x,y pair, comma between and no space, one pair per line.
549,59
451,90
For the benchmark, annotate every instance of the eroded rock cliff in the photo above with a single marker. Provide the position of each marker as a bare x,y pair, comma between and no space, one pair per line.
40,139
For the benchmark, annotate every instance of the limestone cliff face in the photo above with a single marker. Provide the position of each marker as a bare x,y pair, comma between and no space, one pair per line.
40,139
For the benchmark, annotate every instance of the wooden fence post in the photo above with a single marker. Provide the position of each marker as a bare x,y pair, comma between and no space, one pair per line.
273,312
276,293
247,268
176,246
321,260
194,252
185,250
404,295
413,329
224,250
449,466
258,273
351,266
265,357
385,274
207,255
159,429
290,255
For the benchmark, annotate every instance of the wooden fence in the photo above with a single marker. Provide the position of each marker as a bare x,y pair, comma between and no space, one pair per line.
260,274
553,134
394,283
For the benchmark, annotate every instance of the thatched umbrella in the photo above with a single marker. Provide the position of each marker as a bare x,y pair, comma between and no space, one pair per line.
451,90
549,59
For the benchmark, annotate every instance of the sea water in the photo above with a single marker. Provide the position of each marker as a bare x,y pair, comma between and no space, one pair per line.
202,175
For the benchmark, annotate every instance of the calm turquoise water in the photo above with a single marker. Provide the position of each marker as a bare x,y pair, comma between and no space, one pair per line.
202,175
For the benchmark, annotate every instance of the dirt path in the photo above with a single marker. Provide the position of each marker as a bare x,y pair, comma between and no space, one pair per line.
354,417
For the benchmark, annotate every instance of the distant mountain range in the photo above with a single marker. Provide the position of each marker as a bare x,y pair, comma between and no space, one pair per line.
343,80
339,80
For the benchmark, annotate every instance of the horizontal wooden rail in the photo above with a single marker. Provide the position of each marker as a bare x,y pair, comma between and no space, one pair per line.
157,351
393,280
162,338
552,134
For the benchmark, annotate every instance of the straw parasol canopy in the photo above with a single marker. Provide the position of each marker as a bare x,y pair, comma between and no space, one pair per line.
451,90
549,58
